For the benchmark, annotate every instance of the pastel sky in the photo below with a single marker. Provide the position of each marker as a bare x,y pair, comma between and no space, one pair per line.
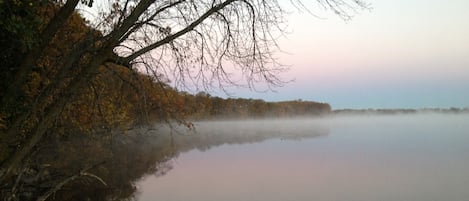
401,54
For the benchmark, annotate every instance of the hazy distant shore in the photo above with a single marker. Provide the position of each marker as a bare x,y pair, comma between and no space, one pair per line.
451,110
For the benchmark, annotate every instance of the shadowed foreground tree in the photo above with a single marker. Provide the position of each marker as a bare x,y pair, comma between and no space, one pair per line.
195,43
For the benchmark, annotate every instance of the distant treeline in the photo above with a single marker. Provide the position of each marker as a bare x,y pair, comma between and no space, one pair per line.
204,106
401,111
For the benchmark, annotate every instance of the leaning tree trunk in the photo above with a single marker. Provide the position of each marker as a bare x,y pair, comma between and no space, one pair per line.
86,74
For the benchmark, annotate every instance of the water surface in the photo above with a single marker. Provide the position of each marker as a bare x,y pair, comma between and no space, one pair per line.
352,158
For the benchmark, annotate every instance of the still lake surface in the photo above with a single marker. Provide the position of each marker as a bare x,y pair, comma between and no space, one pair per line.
350,158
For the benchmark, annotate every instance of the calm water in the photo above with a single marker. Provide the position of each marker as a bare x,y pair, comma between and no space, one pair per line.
371,158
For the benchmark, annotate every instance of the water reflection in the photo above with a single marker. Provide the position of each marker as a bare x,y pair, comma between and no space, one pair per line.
92,168
119,162
385,158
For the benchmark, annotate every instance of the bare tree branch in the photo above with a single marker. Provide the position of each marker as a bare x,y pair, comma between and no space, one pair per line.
67,180
179,33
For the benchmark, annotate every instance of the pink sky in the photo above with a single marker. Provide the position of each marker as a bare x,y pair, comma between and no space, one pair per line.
403,53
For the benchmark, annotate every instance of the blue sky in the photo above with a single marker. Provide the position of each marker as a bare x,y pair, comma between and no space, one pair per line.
401,54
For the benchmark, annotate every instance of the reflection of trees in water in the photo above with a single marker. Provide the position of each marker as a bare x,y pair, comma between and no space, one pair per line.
118,162
216,133
122,160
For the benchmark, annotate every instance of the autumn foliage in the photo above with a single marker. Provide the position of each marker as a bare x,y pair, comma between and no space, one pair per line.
115,98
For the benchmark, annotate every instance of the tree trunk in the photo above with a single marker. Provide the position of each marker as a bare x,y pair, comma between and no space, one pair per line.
73,87
51,113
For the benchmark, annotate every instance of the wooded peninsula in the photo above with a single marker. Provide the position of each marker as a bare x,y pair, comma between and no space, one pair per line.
63,78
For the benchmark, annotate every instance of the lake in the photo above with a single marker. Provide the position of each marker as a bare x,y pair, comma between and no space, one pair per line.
414,157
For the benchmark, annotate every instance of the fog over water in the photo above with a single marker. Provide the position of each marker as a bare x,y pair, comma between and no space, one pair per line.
364,158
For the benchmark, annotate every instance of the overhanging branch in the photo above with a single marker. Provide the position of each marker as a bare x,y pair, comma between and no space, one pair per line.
172,37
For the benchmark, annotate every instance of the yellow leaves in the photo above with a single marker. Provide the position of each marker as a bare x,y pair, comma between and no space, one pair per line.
107,103
33,87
